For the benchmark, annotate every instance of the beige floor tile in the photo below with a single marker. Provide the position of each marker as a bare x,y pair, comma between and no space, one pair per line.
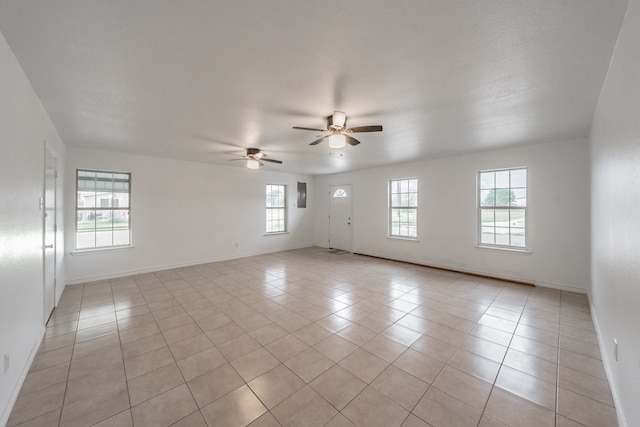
372,408
491,334
356,334
527,387
165,409
95,361
514,410
585,364
475,365
585,410
419,365
143,345
335,347
546,337
190,346
51,358
531,365
339,421
338,386
304,407
254,364
364,365
43,378
484,348
81,386
413,421
268,333
312,334
201,363
535,348
248,310
96,407
153,383
238,347
287,347
50,419
98,344
32,405
434,348
213,385
147,362
276,385
309,364
464,387
194,420
225,333
441,410
123,419
400,386
237,408
384,347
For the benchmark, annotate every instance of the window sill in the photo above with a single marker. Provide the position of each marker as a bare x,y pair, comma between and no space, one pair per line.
406,239
275,233
504,249
82,252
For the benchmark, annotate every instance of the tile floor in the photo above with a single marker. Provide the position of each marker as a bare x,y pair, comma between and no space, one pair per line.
307,337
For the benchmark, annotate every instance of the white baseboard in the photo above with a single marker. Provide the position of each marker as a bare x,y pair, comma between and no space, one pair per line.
178,265
6,411
606,361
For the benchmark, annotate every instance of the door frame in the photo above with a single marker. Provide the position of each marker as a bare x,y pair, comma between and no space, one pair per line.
350,213
48,150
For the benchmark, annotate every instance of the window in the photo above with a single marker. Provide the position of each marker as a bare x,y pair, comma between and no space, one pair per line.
102,209
403,208
276,208
502,208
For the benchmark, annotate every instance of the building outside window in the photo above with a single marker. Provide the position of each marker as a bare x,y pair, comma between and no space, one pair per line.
403,208
276,205
102,209
502,208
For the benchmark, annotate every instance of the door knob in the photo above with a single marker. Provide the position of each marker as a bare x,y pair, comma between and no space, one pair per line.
49,246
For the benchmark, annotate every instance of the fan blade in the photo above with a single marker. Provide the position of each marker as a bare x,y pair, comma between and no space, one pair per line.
231,160
313,129
376,128
351,141
318,141
271,160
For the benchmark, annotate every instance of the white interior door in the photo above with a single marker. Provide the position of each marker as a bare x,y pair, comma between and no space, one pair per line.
340,217
49,237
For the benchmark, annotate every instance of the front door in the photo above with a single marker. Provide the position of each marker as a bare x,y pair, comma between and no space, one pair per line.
340,217
49,237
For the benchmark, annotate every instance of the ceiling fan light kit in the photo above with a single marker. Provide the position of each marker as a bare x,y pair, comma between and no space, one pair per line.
254,158
338,132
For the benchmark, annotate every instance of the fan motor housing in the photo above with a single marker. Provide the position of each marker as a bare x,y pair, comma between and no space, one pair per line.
252,151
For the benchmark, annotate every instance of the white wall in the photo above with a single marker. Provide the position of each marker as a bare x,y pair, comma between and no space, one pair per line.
615,162
185,213
24,126
558,214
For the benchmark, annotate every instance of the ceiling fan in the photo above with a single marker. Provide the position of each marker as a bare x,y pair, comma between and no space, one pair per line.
338,131
254,158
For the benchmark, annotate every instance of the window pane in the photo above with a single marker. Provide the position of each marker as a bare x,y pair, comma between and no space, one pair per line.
502,236
487,198
518,178
487,216
517,218
502,179
488,235
487,180
521,197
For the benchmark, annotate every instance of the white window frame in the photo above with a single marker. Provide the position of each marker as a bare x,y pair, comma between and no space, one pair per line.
82,211
515,223
281,209
409,206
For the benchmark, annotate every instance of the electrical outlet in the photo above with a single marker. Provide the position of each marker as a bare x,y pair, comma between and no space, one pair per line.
6,363
615,349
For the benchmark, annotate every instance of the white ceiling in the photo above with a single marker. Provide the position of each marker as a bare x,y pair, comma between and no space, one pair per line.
194,80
